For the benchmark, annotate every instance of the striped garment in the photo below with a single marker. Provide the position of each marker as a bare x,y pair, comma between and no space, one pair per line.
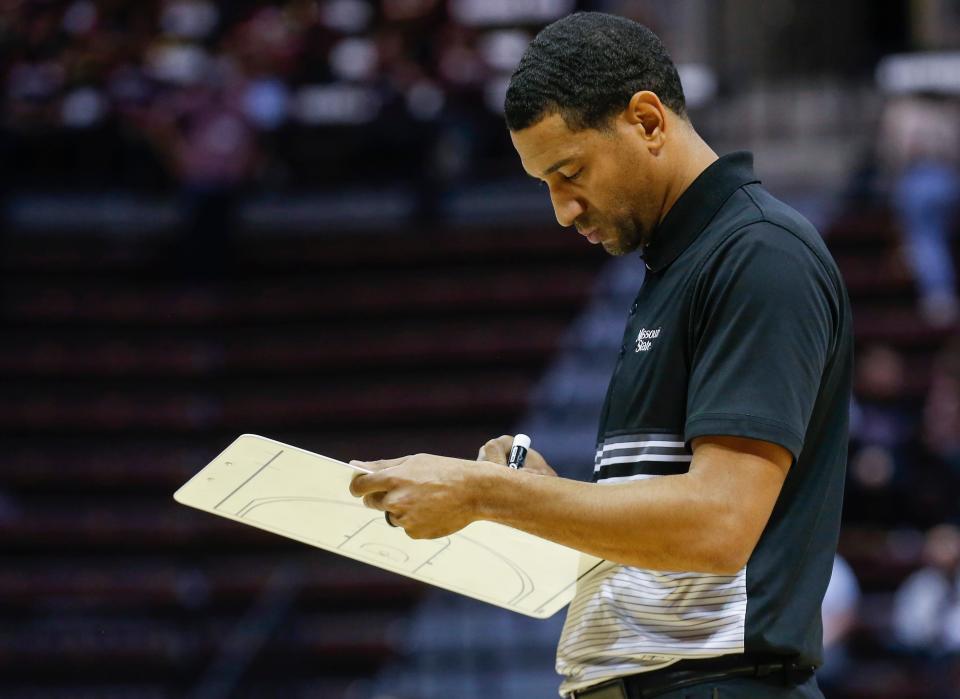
626,620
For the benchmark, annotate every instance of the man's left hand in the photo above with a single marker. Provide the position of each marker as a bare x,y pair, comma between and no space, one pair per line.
429,496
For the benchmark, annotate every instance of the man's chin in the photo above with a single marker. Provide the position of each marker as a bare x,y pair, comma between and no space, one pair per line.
621,243
615,247
611,248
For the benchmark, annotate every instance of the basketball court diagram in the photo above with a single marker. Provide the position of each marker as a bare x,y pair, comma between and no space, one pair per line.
305,496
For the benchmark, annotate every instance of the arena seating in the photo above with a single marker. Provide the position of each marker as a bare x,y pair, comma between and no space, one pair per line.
879,537
123,379
124,376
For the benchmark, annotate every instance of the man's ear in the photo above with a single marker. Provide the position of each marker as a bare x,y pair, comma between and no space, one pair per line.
646,112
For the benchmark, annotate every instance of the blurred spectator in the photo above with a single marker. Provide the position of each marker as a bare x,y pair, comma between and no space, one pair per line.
926,607
882,427
905,454
940,433
212,150
920,146
373,84
941,415
839,612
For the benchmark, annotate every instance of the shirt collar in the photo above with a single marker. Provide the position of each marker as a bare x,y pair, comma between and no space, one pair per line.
696,207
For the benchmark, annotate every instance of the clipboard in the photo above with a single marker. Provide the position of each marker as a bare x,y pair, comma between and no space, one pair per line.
304,496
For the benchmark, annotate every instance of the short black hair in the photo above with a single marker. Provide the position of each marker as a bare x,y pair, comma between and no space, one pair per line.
586,67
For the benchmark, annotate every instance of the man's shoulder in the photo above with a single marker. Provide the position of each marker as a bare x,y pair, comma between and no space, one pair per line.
755,223
774,211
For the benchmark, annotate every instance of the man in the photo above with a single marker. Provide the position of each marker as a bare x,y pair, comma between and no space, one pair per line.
722,442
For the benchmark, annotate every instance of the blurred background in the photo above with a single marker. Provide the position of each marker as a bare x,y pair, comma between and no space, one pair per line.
304,219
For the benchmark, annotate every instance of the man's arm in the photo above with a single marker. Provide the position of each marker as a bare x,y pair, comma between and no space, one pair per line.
707,520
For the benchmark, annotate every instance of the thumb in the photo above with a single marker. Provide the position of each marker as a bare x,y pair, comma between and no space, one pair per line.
374,466
496,450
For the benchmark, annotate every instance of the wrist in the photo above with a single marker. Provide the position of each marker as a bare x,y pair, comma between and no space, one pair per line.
486,480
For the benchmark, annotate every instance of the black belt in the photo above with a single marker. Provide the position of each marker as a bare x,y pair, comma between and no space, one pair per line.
685,673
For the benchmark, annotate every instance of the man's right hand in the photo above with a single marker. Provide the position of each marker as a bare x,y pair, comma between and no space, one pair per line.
498,451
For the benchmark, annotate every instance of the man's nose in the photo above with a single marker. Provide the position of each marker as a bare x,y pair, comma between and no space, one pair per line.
566,209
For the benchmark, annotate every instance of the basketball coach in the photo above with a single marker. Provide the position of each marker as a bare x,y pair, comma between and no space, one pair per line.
721,448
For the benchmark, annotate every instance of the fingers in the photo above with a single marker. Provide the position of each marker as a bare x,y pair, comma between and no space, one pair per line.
376,480
374,501
496,450
377,501
366,483
379,465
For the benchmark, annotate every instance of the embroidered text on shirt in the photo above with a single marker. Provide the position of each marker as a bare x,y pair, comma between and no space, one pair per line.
645,339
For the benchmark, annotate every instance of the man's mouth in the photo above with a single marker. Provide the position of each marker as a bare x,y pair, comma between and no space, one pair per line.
591,234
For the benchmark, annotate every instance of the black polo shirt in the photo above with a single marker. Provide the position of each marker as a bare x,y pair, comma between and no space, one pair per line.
742,327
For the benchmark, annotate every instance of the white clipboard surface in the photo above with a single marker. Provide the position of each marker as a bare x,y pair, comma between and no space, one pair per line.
304,496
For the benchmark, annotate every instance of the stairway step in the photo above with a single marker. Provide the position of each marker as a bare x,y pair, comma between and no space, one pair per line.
873,275
111,584
266,405
348,297
81,647
334,349
898,326
152,465
259,253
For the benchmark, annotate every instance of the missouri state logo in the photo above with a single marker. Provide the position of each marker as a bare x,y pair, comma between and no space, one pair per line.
645,339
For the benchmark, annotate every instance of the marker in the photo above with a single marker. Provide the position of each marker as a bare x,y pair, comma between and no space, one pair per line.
518,452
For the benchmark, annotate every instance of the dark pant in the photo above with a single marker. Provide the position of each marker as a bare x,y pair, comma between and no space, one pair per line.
747,688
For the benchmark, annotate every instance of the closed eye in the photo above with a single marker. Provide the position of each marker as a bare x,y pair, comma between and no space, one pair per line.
571,178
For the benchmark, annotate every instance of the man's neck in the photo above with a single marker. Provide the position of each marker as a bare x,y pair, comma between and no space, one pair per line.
694,157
